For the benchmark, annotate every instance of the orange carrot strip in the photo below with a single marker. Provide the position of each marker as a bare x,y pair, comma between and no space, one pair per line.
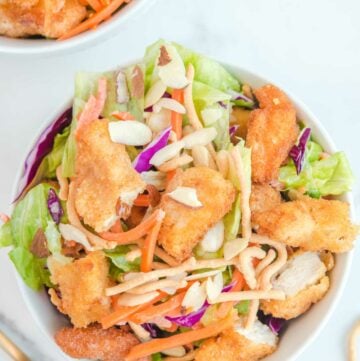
148,250
176,118
94,106
225,307
160,344
95,4
122,313
123,115
142,200
135,233
159,310
94,20
170,175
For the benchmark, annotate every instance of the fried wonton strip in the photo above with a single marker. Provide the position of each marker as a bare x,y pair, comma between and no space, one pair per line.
64,184
253,310
249,295
354,334
270,257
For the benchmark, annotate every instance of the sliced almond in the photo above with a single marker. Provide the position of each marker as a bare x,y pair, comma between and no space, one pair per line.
188,129
166,153
201,156
140,332
71,233
137,81
195,297
234,247
172,72
186,196
157,179
122,92
198,276
214,238
169,103
155,93
130,132
178,351
214,286
202,136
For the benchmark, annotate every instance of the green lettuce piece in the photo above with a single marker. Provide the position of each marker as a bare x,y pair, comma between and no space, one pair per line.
201,254
329,176
31,269
232,220
30,214
207,71
210,315
156,357
53,238
6,238
118,258
243,307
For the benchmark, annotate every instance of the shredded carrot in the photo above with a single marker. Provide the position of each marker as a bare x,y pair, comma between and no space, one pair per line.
123,115
152,312
160,344
122,313
176,118
148,250
93,107
95,4
142,200
134,234
225,307
99,17
117,227
170,175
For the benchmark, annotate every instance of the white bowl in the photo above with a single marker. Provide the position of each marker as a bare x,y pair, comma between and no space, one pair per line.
300,332
102,32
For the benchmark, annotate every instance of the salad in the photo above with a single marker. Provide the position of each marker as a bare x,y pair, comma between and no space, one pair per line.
176,213
54,19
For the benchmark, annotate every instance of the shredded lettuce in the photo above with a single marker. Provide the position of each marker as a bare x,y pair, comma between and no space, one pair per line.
53,238
207,71
156,357
232,220
29,215
243,307
6,238
319,177
118,259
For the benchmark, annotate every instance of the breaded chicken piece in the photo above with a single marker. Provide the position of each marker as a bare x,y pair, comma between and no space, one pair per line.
104,175
95,343
263,198
239,345
82,285
183,227
49,18
272,131
312,224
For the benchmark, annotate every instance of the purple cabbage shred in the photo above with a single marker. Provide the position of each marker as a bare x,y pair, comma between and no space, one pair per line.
297,152
54,206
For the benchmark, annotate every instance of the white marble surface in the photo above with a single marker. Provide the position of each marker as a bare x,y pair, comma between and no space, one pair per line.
311,47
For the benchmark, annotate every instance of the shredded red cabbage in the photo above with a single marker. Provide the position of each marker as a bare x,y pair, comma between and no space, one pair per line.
42,147
297,152
193,318
142,161
233,129
154,331
54,206
275,324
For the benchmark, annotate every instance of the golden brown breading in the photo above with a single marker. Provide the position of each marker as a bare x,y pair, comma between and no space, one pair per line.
50,18
95,343
263,198
272,131
312,224
183,227
296,305
103,175
82,285
231,346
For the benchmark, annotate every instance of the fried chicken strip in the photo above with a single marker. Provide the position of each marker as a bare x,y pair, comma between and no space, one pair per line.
95,343
183,227
312,224
272,131
303,279
104,175
239,344
49,18
82,285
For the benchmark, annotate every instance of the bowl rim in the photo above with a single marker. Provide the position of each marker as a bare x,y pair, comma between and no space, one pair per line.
107,29
348,197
